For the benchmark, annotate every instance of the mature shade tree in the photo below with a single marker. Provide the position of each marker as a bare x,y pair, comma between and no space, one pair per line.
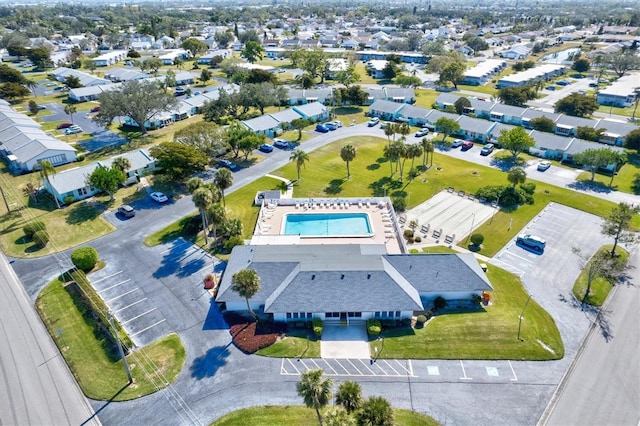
595,158
621,61
249,143
632,140
433,48
205,75
348,154
46,171
246,282
347,77
438,63
407,81
299,124
260,76
33,107
223,179
195,46
600,263
390,70
477,44
543,124
247,36
11,75
122,163
461,104
106,179
152,64
10,91
72,82
313,62
577,105
301,158
139,100
236,133
70,109
205,136
618,225
253,51
315,390
453,73
349,396
377,411
447,126
516,176
179,160
516,96
516,140
589,133
581,65
40,56
223,38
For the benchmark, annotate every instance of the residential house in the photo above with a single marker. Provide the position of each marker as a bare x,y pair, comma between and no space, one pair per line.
385,110
497,130
185,77
543,72
334,66
567,125
275,52
86,80
404,95
516,52
549,146
614,131
622,92
142,163
482,73
579,145
305,96
117,75
507,114
348,282
474,129
313,111
376,67
86,94
207,57
531,113
290,44
109,58
169,57
434,115
415,116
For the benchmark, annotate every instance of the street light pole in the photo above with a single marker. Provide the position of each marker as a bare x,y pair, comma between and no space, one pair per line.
124,359
473,219
520,318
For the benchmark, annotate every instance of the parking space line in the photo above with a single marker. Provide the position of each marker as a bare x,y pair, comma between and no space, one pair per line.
284,371
128,306
464,373
121,295
316,364
519,257
353,365
514,378
375,363
151,326
115,285
138,316
182,243
104,278
342,366
389,365
403,367
332,369
364,364
410,368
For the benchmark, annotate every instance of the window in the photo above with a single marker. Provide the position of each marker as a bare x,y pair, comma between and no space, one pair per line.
82,191
390,314
295,315
288,315
384,314
397,314
358,314
377,315
308,314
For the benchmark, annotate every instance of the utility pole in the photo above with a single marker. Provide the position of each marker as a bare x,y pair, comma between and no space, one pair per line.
520,318
124,359
5,200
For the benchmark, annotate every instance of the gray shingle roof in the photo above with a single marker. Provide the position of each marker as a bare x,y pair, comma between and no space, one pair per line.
580,145
616,127
550,141
509,110
475,125
567,120
262,123
387,107
312,109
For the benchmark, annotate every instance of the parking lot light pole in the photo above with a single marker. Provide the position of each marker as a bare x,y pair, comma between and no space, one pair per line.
124,359
520,317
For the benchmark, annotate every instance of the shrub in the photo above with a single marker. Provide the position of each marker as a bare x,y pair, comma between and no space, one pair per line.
317,327
414,251
373,327
420,320
477,239
408,233
41,238
68,199
418,239
80,158
192,226
399,204
406,322
232,242
31,228
476,299
84,258
439,303
528,187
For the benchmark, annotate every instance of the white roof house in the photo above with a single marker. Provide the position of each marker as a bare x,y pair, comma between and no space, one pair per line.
522,78
622,92
109,58
86,80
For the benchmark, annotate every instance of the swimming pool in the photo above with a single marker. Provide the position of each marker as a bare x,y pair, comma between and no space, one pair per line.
327,224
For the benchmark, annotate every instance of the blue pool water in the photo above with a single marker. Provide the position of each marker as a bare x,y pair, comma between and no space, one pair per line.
327,224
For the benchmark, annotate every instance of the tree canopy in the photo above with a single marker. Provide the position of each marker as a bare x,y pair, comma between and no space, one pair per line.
516,140
253,51
618,224
205,136
141,101
596,158
577,105
179,160
106,179
447,126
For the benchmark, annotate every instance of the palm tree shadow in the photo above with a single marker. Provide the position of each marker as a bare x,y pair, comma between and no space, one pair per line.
334,187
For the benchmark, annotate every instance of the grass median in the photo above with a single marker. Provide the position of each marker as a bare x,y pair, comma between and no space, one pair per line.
602,283
297,415
101,376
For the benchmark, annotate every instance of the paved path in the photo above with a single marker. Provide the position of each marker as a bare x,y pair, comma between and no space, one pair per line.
36,387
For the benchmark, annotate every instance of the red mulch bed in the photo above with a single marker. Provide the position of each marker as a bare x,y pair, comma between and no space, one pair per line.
250,336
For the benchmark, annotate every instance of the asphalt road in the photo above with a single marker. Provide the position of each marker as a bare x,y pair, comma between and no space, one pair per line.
603,386
36,387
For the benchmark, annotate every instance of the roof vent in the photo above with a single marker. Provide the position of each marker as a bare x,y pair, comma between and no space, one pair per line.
313,277
342,277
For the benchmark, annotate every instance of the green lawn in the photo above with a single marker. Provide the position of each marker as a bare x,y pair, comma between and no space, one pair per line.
296,415
623,181
296,344
100,375
601,285
487,333
425,98
438,249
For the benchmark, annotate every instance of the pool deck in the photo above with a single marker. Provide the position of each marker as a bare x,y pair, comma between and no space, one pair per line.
271,220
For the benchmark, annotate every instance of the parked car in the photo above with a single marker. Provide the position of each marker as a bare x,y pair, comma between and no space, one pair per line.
563,83
228,164
64,125
531,241
552,87
337,123
544,165
281,143
487,149
159,197
456,143
126,211
265,147
179,91
41,107
422,132
330,126
95,108
322,128
374,121
593,84
72,130
467,145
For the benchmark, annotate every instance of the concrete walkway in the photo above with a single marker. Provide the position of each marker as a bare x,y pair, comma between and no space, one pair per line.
289,193
345,342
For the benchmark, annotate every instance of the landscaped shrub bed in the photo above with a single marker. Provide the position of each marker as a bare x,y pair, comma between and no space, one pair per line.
250,336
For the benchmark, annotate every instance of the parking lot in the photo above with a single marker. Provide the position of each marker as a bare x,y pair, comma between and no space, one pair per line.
349,367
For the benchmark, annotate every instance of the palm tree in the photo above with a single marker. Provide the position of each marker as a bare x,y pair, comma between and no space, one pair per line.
70,110
203,197
216,216
246,282
223,179
619,158
193,184
375,411
315,390
121,163
427,148
516,176
403,154
390,130
300,157
31,189
348,154
414,151
349,396
404,129
390,152
46,171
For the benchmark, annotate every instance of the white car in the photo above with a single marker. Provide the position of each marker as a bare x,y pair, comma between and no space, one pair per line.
159,197
544,165
456,143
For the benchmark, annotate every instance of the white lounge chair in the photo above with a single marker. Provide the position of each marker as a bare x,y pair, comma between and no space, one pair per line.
297,205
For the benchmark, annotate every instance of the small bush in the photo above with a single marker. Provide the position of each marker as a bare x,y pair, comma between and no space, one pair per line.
232,242
418,239
476,299
317,327
414,251
528,187
408,233
420,320
80,158
84,258
41,238
439,303
399,204
31,228
192,226
477,239
373,327
68,199
406,322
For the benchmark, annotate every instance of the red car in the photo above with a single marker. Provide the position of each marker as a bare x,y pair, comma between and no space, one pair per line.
95,108
466,145
64,125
